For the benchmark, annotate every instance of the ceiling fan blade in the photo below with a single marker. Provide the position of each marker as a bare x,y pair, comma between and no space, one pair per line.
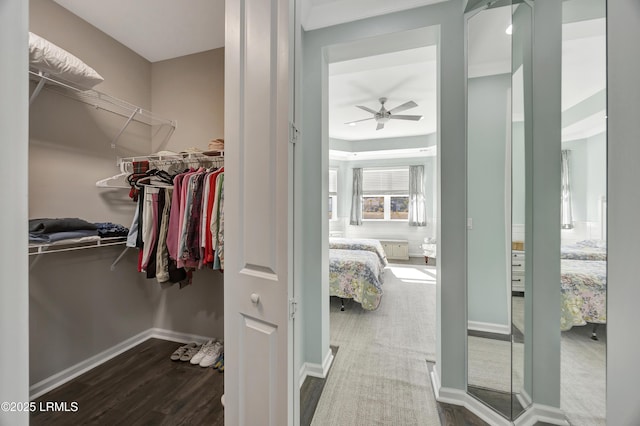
357,121
367,109
380,126
406,117
403,107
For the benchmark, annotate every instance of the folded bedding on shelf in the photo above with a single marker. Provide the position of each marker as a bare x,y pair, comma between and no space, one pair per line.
72,230
85,235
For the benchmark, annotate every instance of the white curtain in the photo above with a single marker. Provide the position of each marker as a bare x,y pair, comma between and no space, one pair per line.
356,198
567,215
417,207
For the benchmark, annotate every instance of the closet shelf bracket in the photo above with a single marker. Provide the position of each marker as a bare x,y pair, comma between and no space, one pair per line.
120,256
38,88
126,124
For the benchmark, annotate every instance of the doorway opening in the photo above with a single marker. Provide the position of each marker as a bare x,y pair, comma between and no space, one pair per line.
380,139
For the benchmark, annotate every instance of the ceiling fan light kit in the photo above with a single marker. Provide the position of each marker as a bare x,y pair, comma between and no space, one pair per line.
382,116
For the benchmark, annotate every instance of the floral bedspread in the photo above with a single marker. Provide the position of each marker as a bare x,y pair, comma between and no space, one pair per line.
360,244
585,250
584,290
357,275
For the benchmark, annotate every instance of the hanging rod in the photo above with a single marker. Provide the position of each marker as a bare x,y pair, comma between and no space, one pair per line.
126,163
99,100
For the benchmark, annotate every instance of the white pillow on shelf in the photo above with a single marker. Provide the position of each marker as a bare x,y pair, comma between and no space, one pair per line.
57,62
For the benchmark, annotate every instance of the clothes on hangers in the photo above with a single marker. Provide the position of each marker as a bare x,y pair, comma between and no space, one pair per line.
179,228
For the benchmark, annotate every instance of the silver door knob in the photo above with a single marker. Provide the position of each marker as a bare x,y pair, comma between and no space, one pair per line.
255,298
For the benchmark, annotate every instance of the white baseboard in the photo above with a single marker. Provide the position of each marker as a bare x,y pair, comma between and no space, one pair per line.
38,389
541,413
315,369
523,398
463,399
176,336
534,414
489,327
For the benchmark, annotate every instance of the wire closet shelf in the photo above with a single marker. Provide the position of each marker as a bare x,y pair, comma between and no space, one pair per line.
100,101
207,158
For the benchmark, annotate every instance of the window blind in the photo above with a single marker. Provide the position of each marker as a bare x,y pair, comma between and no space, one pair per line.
385,181
333,182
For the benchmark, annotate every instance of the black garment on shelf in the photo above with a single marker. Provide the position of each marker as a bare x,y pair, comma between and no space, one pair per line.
48,226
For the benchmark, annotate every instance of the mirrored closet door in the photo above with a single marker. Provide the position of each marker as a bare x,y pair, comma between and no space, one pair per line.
583,250
498,137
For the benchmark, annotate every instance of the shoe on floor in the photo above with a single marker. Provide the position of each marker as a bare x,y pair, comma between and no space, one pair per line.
190,353
211,355
195,360
219,362
175,356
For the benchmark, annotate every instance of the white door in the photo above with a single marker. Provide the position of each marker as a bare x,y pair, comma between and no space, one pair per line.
257,267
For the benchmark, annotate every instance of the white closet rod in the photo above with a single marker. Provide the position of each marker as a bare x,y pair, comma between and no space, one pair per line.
126,164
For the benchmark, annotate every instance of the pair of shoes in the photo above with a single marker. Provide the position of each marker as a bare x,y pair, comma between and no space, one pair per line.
208,354
190,352
178,353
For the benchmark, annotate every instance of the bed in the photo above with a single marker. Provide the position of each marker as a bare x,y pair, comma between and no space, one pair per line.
585,250
584,292
365,244
357,275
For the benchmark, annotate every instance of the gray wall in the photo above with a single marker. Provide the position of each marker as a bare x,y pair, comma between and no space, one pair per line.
78,307
486,242
14,297
623,351
190,90
311,166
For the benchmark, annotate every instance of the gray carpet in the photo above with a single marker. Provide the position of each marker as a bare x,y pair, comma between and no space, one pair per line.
583,372
380,376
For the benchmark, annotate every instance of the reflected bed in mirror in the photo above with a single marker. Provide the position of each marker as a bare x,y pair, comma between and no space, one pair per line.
583,250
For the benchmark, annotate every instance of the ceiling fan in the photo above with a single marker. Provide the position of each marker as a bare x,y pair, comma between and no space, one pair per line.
383,115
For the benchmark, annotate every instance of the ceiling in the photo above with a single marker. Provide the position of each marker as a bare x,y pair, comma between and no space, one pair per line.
164,29
324,13
400,77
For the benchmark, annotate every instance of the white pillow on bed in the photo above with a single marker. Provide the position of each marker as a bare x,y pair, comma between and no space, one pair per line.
54,60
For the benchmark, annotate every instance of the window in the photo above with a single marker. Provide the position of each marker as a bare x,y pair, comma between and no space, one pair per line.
333,194
399,207
372,208
386,194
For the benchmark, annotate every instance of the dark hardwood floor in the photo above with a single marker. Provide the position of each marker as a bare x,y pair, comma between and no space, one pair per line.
144,387
140,387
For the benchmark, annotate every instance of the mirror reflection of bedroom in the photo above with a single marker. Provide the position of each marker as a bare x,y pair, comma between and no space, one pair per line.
584,209
382,249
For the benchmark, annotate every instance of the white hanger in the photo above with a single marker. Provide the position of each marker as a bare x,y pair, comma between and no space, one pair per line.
105,183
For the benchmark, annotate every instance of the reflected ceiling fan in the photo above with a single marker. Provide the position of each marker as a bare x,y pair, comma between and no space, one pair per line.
383,115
